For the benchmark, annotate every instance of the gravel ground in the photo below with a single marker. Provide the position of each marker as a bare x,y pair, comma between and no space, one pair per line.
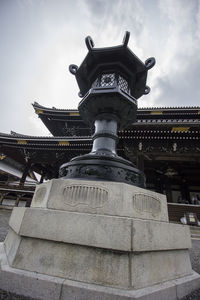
4,218
9,296
194,296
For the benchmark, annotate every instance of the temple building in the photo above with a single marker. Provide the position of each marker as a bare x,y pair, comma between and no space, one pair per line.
164,142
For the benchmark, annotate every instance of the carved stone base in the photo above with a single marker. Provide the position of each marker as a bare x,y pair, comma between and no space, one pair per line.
45,287
101,197
105,233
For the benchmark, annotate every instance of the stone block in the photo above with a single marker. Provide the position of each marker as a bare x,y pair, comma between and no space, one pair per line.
76,228
82,291
153,235
36,287
185,285
40,286
73,262
16,218
101,197
30,284
150,268
41,194
11,244
100,266
109,232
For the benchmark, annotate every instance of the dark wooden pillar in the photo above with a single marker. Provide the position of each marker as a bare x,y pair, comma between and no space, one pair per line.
2,196
18,199
24,175
159,185
168,189
28,202
185,193
140,162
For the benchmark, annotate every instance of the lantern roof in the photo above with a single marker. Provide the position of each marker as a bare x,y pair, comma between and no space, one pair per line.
113,59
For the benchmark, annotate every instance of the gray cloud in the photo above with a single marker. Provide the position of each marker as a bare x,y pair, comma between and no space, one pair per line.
39,39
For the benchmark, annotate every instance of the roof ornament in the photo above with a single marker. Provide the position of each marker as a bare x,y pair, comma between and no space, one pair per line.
73,69
89,43
150,62
126,38
147,90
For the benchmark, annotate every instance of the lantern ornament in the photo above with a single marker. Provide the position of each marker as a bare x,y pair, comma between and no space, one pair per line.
111,80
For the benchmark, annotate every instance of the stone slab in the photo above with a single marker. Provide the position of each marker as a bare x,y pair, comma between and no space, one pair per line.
75,228
75,262
153,235
28,284
45,287
81,291
99,266
101,197
16,218
185,287
11,244
110,232
150,268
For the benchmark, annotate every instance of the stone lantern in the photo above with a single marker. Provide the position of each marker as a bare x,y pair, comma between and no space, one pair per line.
89,234
110,80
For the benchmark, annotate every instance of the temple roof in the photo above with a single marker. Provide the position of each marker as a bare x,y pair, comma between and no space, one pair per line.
68,122
161,133
166,108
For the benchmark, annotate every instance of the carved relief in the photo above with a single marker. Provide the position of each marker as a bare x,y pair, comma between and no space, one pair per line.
146,203
94,197
40,194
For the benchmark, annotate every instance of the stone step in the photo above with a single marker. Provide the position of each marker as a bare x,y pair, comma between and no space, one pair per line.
195,229
195,232
195,236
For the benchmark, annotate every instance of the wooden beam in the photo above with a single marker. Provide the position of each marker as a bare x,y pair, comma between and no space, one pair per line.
24,175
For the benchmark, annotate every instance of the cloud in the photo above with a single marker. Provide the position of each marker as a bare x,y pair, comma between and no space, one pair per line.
179,59
39,39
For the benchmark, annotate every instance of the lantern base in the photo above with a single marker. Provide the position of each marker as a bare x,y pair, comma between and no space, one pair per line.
108,168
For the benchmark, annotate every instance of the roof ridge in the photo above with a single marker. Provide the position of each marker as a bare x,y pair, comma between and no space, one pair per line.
36,104
2,134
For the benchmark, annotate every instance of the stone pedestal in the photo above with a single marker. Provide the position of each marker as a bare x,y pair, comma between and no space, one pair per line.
98,240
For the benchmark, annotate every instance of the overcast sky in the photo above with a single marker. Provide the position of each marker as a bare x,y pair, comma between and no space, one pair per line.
40,38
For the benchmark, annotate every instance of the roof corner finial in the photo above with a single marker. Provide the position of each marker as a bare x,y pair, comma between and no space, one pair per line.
89,42
126,38
73,69
150,62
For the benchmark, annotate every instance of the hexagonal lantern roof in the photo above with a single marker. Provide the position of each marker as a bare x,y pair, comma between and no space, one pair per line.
118,58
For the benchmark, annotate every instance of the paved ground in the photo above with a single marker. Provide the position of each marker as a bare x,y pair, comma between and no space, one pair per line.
4,218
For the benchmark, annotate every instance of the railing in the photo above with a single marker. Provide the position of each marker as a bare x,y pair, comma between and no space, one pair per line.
11,194
177,210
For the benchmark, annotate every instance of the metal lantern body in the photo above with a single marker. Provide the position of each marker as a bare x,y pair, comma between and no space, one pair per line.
110,81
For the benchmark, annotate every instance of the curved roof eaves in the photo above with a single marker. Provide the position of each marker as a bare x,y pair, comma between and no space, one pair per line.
37,105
